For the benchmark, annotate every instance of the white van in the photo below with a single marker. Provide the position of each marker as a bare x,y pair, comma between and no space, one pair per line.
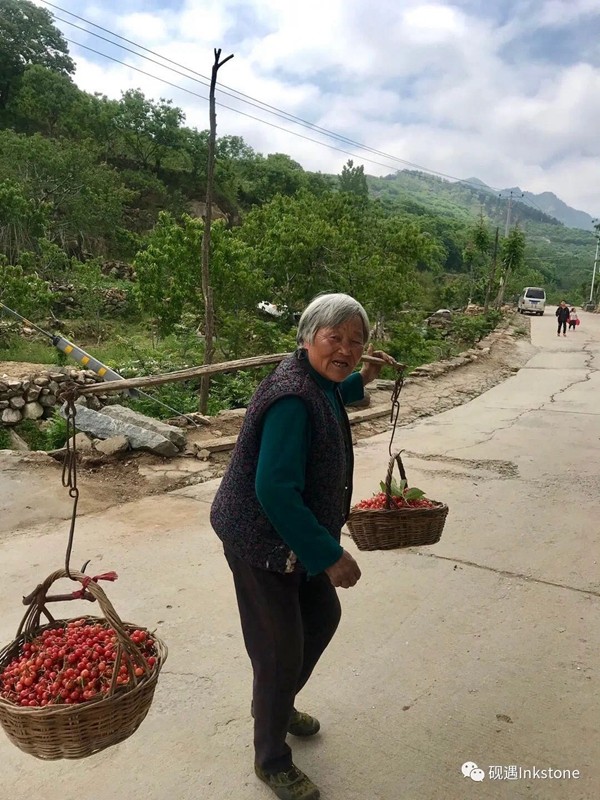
533,300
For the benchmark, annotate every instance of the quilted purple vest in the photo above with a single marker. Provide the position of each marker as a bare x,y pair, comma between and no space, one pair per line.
236,514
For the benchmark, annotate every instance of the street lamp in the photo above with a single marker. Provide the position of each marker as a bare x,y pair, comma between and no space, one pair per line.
590,305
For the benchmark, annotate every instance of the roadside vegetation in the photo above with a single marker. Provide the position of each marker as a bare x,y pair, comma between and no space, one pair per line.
101,228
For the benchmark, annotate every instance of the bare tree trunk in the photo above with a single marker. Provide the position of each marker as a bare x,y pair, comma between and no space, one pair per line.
492,272
209,313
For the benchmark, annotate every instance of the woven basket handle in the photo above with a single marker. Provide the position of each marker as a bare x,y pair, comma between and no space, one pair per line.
127,649
395,459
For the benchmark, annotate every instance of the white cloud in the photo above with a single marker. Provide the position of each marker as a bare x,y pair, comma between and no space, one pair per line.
559,12
432,23
152,28
436,83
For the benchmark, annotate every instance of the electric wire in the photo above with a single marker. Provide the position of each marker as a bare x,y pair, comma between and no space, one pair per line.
229,108
254,102
245,98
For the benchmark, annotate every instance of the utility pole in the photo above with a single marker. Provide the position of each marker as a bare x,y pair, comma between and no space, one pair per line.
488,291
597,227
209,313
509,209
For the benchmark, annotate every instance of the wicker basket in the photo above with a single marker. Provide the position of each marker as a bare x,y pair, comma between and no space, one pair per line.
391,528
79,730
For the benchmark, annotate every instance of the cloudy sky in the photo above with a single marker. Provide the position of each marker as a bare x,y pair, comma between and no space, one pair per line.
504,90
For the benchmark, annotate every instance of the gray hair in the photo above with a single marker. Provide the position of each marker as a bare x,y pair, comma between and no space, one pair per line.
329,311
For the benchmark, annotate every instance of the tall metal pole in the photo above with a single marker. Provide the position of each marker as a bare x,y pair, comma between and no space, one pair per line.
594,270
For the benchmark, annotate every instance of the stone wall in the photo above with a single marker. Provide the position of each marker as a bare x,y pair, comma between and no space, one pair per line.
35,396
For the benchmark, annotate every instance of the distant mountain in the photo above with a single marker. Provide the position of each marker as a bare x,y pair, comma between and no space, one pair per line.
547,202
477,182
552,205
465,199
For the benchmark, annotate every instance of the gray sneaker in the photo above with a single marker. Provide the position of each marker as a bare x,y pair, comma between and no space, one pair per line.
290,785
302,724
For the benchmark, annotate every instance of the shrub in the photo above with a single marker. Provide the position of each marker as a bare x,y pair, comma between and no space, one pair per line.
4,439
56,432
32,434
470,329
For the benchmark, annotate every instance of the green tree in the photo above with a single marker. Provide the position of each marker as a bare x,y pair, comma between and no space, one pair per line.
307,244
26,294
168,272
262,178
44,101
476,258
83,199
353,180
94,117
512,260
195,144
22,221
28,36
148,129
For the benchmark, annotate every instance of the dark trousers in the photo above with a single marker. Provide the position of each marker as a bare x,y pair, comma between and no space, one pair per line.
572,324
287,622
562,325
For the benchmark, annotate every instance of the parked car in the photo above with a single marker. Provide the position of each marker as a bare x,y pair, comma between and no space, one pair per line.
532,301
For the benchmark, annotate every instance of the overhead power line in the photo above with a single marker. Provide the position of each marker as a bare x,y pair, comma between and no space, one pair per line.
235,94
229,108
241,97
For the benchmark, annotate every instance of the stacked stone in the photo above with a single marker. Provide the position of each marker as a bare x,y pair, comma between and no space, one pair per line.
114,301
118,269
36,396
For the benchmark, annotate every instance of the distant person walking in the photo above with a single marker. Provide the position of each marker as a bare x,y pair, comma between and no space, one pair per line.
562,313
573,319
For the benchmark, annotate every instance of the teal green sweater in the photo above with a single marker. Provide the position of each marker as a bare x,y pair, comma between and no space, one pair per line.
281,469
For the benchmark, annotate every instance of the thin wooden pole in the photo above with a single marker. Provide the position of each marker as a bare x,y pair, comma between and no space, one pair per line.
209,311
196,372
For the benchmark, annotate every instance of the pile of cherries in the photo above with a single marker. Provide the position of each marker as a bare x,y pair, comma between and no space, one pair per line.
378,502
72,664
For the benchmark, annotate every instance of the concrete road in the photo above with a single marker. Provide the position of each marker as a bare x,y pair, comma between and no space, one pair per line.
483,648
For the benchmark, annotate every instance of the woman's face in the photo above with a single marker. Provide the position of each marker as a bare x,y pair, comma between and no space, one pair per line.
336,351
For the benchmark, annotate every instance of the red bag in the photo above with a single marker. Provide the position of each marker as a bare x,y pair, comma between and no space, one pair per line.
577,321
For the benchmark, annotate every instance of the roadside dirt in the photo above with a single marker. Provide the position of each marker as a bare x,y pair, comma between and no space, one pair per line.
112,481
21,369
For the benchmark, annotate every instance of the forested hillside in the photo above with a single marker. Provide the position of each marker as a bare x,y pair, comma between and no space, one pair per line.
101,204
563,255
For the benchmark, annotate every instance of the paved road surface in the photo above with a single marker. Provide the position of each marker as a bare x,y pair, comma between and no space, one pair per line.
481,649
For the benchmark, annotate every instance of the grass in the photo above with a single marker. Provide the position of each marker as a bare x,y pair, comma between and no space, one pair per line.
120,343
4,439
34,352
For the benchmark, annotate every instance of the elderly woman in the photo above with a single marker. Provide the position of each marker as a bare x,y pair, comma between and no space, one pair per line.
279,511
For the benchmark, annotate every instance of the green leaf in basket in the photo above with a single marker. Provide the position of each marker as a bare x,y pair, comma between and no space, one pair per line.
413,494
396,489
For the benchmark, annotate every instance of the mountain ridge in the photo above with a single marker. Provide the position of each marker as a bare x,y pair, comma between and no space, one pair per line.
547,201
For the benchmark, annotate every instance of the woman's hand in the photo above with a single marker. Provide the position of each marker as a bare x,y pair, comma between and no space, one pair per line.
345,572
369,371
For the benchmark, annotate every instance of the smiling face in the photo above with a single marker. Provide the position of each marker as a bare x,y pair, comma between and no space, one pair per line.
336,351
